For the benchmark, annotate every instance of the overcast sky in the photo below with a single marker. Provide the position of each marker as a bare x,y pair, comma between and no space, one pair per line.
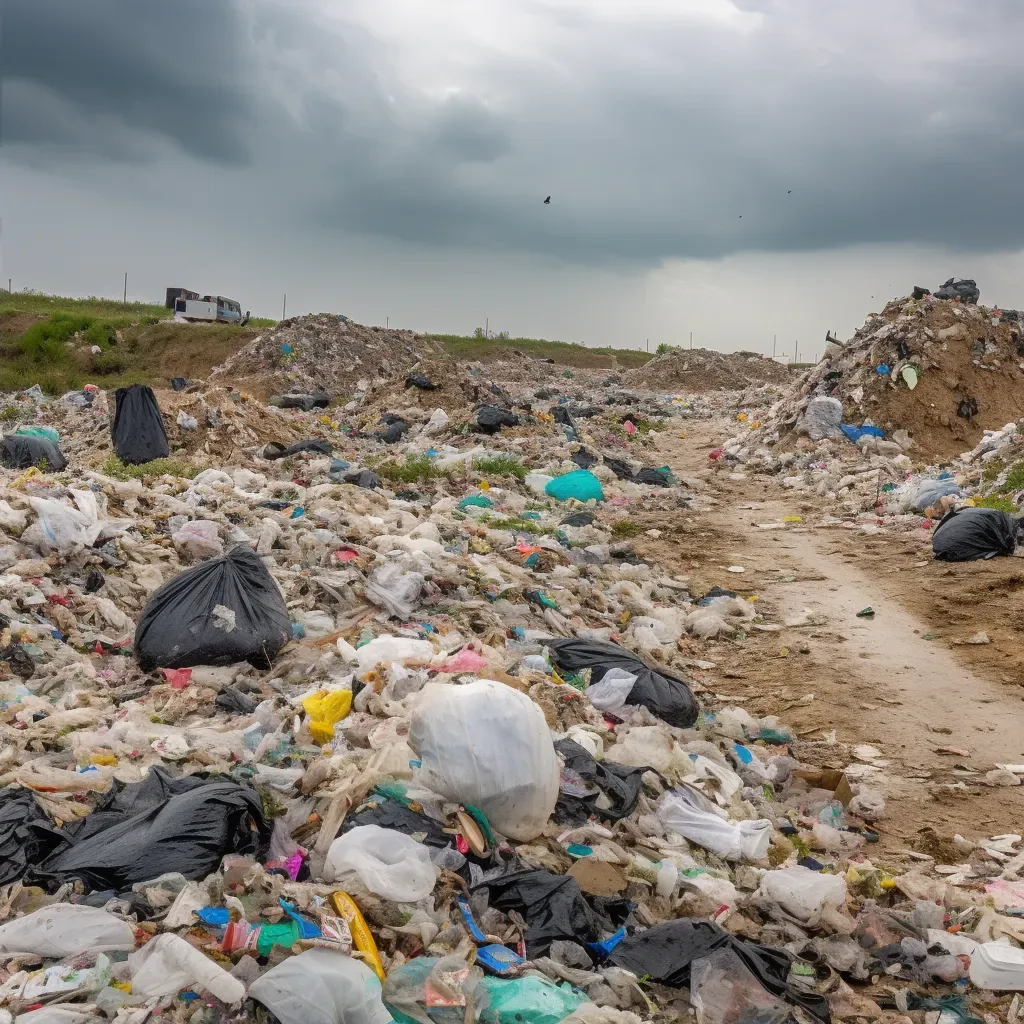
735,168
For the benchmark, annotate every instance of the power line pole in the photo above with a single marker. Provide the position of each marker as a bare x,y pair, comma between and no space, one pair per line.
774,338
125,299
284,306
648,344
691,339
487,326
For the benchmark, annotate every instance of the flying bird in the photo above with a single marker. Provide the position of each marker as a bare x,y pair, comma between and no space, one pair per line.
547,202
790,192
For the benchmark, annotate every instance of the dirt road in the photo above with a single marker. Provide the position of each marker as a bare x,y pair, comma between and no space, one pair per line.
939,711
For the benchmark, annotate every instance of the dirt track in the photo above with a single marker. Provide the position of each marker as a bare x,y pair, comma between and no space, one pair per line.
902,681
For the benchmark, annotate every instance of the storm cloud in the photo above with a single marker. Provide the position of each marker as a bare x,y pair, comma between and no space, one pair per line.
690,129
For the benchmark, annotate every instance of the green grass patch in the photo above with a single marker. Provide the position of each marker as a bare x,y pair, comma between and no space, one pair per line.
501,465
992,470
519,525
626,528
9,413
567,353
409,470
998,501
1014,479
158,467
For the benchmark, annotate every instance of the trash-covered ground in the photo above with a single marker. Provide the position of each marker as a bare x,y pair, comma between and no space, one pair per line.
405,696
694,371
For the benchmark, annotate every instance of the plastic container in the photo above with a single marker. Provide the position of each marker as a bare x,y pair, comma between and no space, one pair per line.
382,861
998,967
581,485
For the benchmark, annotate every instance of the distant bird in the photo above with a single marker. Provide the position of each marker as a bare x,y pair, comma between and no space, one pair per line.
547,202
741,216
790,192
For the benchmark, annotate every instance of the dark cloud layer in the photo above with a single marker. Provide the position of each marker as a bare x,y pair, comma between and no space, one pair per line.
777,125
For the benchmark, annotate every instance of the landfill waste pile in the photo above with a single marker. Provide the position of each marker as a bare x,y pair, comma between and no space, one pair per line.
395,722
699,369
309,353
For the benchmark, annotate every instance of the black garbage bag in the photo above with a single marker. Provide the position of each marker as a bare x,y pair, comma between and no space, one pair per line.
179,383
138,430
394,431
621,469
578,519
963,289
969,534
314,446
584,458
664,953
313,400
620,783
490,419
19,451
27,835
238,703
160,824
363,478
392,814
417,380
660,476
919,292
179,627
662,694
563,416
554,908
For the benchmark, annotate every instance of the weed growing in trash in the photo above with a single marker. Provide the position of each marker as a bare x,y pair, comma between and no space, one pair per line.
158,467
626,528
997,501
501,465
410,470
1014,478
9,413
513,525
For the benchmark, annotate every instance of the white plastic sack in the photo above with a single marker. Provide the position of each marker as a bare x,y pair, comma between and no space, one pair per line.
385,862
198,539
321,987
803,893
695,818
187,422
387,649
394,588
487,745
66,929
610,694
60,527
437,422
167,964
822,418
645,746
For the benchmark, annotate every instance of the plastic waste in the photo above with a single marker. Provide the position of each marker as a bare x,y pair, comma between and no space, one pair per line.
928,492
490,419
611,693
27,835
804,893
62,528
618,786
661,693
320,986
65,929
822,418
167,964
487,745
971,534
186,422
723,990
381,861
998,967
693,816
180,625
581,485
20,451
138,428
395,588
198,539
325,709
145,829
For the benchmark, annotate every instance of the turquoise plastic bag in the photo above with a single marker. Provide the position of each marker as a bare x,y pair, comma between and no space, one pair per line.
48,432
581,485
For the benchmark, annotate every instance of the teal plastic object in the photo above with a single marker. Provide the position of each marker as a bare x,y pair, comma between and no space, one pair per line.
476,501
581,485
48,432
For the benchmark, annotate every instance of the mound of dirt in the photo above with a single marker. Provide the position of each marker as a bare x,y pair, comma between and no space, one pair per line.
323,352
939,369
700,369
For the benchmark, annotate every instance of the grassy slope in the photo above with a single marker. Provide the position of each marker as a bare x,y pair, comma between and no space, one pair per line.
563,352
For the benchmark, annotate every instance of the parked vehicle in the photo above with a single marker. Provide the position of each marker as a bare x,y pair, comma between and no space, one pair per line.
188,305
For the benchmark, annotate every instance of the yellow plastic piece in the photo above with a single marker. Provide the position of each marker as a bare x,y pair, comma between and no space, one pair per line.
484,485
325,709
362,937
105,760
29,474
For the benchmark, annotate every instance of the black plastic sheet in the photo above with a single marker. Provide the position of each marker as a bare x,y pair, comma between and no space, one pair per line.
619,782
238,703
664,953
661,693
971,534
147,828
490,419
584,458
314,446
27,835
178,627
417,380
20,451
363,478
138,431
313,400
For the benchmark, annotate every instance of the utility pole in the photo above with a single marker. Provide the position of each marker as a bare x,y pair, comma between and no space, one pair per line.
284,306
691,339
9,292
487,326
774,338
387,321
648,344
125,299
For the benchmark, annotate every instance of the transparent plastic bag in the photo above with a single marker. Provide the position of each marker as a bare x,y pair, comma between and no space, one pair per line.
693,816
724,991
198,539
803,893
384,861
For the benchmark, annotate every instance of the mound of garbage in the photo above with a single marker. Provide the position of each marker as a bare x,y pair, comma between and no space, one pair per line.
698,370
933,373
323,351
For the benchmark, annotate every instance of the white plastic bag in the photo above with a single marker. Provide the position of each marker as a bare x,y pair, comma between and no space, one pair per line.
803,893
437,422
822,418
60,527
167,964
321,987
198,539
65,929
394,588
610,694
487,745
386,649
187,422
386,863
693,816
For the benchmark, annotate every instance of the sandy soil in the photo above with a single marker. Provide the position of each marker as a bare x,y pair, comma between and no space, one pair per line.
941,712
